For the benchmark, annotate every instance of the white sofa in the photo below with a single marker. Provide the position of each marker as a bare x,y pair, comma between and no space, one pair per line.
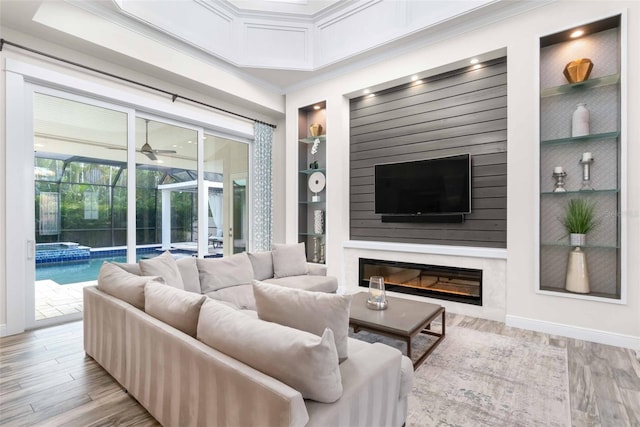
182,381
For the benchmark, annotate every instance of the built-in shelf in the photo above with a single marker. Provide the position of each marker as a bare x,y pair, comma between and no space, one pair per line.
581,192
311,154
587,84
603,255
310,171
577,139
567,245
312,139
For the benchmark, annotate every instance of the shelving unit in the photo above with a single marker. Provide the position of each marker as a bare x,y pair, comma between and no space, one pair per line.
307,206
558,100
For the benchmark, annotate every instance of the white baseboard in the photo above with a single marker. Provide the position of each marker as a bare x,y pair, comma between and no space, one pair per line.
585,334
3,330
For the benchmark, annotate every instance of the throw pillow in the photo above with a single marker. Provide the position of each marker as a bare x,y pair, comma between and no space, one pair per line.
299,359
175,307
305,310
189,273
128,287
129,268
289,260
219,273
164,266
262,263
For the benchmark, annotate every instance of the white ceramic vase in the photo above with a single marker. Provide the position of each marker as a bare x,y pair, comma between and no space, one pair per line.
577,273
318,221
580,121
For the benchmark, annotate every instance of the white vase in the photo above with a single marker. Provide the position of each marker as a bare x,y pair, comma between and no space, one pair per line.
577,274
580,121
318,221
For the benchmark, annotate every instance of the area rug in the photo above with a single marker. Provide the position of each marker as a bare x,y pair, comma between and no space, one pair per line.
478,378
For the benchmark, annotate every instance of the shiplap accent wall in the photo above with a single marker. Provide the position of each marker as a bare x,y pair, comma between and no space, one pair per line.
463,111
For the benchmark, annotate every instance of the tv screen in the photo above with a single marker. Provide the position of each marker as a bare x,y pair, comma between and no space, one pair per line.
424,187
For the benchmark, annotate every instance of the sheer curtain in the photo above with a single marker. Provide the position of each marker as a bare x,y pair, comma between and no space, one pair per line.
261,189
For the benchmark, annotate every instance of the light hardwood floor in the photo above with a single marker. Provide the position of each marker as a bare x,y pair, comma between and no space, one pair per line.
46,379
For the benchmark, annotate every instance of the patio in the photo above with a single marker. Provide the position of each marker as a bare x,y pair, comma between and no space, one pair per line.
54,300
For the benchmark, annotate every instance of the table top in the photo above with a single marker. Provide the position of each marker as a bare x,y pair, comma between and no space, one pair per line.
402,316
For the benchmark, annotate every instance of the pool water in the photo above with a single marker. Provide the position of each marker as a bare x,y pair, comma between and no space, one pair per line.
73,272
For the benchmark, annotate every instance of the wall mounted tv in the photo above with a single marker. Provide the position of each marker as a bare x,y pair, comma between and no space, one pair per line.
424,188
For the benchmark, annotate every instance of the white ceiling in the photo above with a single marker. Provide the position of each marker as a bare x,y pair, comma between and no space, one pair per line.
445,18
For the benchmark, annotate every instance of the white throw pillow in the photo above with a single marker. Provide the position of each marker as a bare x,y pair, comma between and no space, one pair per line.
309,311
299,359
118,283
164,266
219,273
175,307
289,260
262,263
189,273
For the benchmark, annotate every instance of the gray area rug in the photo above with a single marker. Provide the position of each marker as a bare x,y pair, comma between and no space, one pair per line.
483,379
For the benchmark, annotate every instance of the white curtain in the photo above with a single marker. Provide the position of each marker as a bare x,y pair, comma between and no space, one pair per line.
215,204
261,189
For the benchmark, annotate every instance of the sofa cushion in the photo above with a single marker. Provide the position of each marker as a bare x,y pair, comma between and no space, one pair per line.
241,296
289,260
309,283
118,283
189,273
309,311
165,266
262,263
304,361
220,273
129,268
175,307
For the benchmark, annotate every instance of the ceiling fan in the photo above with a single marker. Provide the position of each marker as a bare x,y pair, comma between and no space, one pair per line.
146,147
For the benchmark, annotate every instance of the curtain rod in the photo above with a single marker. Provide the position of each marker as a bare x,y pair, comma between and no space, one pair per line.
174,96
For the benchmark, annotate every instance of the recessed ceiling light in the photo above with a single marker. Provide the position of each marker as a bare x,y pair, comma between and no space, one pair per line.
414,78
371,95
576,34
419,82
474,61
367,91
316,107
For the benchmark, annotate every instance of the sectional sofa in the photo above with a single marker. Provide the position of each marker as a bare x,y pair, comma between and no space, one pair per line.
279,356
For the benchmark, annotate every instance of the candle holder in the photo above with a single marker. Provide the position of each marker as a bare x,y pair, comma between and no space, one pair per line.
559,185
586,161
315,250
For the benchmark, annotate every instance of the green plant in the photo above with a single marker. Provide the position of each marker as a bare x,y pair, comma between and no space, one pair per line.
579,216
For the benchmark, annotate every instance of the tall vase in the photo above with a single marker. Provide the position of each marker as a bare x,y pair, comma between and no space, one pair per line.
580,121
577,273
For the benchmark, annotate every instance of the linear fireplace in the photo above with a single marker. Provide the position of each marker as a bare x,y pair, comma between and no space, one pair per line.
448,283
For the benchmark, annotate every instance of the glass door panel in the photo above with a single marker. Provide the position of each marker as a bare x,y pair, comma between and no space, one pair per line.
226,166
166,187
80,210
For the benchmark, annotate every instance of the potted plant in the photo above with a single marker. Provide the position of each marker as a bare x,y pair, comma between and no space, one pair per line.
579,219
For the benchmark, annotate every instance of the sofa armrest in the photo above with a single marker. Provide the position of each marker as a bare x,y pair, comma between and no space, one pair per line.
316,269
104,330
183,382
371,380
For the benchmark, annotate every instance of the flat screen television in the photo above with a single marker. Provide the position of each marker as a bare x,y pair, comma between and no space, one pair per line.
424,187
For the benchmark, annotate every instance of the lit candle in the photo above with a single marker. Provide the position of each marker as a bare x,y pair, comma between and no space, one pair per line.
586,157
558,169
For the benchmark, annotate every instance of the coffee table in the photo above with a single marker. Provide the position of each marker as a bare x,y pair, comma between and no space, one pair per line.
403,320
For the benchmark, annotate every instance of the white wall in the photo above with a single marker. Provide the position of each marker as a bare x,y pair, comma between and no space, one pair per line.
600,321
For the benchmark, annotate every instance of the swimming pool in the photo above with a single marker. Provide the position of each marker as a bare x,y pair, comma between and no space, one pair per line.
75,271
65,273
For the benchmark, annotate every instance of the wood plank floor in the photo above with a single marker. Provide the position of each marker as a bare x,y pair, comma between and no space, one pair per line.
46,379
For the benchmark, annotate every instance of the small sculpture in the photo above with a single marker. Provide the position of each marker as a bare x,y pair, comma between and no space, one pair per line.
578,71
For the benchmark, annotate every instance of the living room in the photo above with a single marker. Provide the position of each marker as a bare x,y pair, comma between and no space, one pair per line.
512,293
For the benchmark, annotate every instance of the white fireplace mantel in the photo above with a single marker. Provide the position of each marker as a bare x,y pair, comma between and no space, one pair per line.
463,251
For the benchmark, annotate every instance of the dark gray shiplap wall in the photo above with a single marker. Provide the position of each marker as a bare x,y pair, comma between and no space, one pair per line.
464,111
